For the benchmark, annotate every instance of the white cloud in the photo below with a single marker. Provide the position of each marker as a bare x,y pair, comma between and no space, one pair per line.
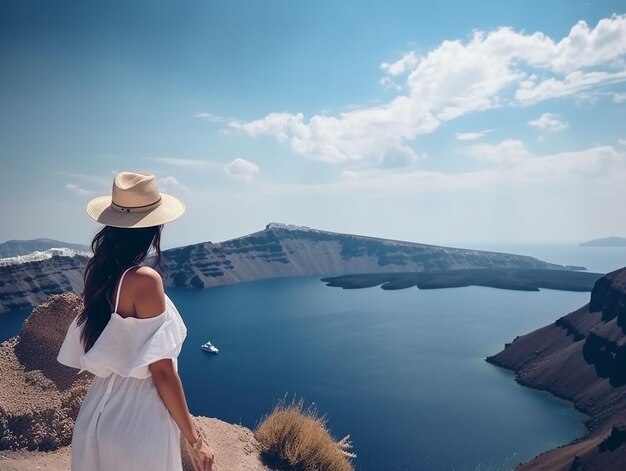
212,118
514,161
349,174
196,164
471,136
508,152
171,183
241,169
531,92
275,124
507,165
389,84
549,122
374,132
99,180
77,190
404,64
238,169
622,142
492,69
619,97
585,47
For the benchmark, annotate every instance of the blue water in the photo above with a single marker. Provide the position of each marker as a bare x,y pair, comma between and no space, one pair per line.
11,323
402,372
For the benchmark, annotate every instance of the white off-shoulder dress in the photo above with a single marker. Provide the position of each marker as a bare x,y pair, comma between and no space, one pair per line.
123,423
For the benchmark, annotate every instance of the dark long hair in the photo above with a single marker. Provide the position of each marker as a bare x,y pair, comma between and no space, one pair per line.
114,250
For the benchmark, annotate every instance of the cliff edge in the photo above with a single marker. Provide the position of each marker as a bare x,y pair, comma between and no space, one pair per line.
279,250
581,358
40,399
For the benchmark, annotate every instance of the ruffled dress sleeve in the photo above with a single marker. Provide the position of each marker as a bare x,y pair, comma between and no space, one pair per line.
72,349
127,345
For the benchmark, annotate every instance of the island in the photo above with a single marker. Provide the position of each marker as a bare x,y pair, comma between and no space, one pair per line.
606,242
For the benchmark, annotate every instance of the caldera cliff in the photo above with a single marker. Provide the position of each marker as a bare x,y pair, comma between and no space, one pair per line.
581,358
279,250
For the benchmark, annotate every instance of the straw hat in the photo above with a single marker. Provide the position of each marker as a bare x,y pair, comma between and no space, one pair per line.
135,202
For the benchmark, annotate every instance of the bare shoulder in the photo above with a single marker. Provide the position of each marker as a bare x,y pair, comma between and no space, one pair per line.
147,276
149,292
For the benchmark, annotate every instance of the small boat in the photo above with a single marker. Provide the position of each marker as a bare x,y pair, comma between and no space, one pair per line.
209,347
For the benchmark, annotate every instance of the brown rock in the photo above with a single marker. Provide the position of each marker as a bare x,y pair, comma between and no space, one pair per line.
581,358
39,397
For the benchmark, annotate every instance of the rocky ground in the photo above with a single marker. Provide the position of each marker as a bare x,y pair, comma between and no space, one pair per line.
40,398
234,446
581,358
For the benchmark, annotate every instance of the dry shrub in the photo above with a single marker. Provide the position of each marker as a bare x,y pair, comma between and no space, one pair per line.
299,439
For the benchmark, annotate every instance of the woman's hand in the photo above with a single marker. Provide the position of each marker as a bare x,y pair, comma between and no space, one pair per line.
202,459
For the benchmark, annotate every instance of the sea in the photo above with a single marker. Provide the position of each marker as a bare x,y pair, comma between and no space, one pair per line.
402,372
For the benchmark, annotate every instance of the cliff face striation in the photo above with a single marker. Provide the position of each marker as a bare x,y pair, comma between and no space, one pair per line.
26,283
40,399
279,250
282,250
581,358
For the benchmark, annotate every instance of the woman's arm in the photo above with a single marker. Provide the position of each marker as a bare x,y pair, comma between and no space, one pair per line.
170,389
149,301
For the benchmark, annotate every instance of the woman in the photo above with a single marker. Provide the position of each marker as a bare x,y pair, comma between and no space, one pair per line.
129,336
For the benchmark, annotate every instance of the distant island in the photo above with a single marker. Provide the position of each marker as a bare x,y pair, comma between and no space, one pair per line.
278,250
606,242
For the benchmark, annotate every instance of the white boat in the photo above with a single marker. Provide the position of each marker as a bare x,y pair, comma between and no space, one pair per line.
209,347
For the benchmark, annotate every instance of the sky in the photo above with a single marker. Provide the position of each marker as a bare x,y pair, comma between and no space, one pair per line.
438,122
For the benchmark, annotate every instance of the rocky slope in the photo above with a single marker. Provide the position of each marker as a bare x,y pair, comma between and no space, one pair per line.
279,250
40,398
282,250
582,358
25,284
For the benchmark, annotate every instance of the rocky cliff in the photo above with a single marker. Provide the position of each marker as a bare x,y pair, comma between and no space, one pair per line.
279,250
582,358
13,248
40,399
282,250
25,284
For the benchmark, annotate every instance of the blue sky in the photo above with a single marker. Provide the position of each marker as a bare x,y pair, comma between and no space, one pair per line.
471,122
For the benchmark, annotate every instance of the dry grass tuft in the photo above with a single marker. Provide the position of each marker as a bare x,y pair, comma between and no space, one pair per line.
299,439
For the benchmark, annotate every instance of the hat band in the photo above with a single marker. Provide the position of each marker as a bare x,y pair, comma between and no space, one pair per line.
136,209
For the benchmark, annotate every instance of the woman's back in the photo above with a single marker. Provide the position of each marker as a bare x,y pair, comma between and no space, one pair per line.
140,293
123,422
